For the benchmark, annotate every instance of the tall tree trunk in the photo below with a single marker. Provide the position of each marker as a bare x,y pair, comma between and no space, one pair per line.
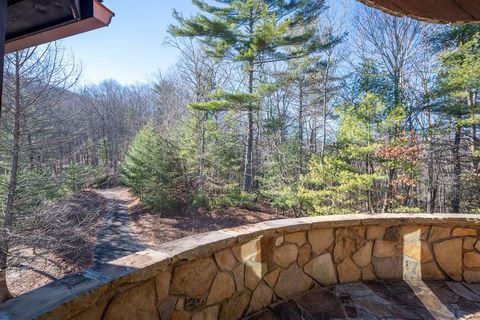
248,173
313,133
256,143
476,158
474,145
369,169
325,111
300,128
114,156
94,160
3,27
388,191
31,152
370,207
201,164
105,148
457,169
12,186
397,100
430,189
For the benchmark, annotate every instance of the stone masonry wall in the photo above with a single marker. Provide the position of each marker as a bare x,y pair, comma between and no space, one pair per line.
232,273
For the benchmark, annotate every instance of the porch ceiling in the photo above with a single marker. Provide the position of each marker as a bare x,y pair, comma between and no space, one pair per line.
33,22
436,11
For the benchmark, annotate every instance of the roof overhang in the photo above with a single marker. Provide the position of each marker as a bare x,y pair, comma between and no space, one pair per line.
34,22
435,11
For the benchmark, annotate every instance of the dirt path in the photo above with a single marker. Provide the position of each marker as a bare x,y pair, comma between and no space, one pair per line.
115,239
122,226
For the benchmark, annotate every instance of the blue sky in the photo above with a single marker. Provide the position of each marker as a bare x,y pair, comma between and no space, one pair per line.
132,48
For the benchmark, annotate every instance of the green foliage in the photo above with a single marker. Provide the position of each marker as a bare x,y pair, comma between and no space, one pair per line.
281,168
334,187
77,177
200,200
252,33
361,126
279,181
224,101
221,155
234,199
216,105
459,76
3,193
253,29
403,209
237,98
285,199
453,36
37,187
349,177
458,83
469,195
473,120
40,187
370,80
152,169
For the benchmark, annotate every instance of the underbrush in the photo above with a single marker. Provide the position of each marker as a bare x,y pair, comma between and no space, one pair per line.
54,239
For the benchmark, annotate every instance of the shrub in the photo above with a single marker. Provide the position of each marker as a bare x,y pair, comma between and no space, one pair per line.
334,187
407,210
469,195
77,177
152,170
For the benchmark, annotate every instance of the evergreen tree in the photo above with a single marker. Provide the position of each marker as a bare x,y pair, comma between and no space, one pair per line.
368,79
344,181
450,37
350,177
458,85
253,32
151,169
221,156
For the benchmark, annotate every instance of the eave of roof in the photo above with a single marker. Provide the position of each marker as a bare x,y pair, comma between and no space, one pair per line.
98,16
434,11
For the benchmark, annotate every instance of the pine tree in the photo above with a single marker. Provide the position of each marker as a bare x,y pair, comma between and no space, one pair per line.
351,175
151,169
458,83
253,32
344,181
221,156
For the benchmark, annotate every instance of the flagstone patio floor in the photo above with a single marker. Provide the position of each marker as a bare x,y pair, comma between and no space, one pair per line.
381,300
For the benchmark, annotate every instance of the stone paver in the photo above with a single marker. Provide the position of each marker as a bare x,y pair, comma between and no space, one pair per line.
380,300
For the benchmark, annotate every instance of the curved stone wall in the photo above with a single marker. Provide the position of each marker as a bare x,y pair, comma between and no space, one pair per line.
231,273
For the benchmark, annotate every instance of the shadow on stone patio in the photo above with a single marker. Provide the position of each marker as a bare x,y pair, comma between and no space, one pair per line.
381,300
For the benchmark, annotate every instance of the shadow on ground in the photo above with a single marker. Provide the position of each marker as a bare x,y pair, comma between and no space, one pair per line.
115,239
